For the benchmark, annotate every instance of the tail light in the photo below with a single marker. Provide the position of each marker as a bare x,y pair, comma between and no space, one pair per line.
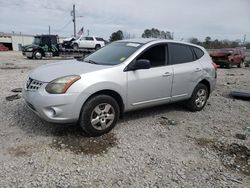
216,66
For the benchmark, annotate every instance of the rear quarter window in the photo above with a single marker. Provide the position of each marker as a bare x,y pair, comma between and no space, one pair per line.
198,52
99,39
180,53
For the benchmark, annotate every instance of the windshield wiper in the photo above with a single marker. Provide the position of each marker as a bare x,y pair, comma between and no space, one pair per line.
91,61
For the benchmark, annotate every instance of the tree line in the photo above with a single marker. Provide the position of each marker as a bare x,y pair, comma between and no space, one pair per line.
148,33
208,43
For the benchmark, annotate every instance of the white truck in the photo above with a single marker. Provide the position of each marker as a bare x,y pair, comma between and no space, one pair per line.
88,43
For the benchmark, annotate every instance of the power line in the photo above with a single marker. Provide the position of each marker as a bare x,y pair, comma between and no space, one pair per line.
59,30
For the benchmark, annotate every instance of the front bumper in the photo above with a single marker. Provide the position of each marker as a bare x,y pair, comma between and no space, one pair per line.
55,108
28,54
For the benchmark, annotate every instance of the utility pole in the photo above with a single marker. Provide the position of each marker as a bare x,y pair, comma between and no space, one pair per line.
244,39
49,29
74,19
88,32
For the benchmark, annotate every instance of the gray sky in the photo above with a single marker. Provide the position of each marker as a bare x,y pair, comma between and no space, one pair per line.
222,19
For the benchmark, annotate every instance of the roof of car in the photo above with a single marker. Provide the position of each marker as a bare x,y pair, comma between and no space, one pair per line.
148,40
139,40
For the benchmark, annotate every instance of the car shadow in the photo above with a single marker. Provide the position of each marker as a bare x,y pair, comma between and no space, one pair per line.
70,137
32,124
153,111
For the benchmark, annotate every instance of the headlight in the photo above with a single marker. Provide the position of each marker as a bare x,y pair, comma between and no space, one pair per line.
29,49
61,85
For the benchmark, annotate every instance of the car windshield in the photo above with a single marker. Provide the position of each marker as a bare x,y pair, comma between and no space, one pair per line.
37,40
113,54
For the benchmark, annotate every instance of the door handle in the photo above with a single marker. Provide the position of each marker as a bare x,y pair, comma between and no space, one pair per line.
166,74
197,70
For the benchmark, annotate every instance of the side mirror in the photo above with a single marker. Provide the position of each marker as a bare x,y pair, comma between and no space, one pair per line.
140,64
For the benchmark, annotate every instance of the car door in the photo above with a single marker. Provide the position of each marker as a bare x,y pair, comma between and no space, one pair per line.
237,56
90,42
152,86
187,71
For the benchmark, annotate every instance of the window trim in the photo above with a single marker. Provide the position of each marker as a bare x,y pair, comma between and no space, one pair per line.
170,55
151,46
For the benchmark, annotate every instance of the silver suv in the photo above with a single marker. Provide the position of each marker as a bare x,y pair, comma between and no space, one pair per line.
120,77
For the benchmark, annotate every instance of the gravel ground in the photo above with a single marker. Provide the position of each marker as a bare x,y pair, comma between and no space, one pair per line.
165,146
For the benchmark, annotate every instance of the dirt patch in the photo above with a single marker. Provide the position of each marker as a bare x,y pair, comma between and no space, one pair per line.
233,156
17,90
76,142
25,150
13,97
165,121
17,152
15,67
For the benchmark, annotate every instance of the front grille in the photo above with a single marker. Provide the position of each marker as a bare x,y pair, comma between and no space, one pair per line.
33,85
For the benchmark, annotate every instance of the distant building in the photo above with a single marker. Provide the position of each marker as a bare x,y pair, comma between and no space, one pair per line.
15,41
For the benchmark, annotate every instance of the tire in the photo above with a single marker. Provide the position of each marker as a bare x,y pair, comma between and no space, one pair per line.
75,46
103,120
229,65
241,64
37,54
201,92
97,47
30,57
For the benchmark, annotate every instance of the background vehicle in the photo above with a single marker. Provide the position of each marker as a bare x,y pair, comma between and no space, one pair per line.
123,76
67,43
49,46
89,43
228,57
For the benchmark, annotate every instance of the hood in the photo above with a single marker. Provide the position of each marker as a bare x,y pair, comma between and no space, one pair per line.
30,46
219,54
51,71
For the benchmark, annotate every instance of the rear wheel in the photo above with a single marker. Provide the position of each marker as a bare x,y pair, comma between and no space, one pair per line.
199,98
75,46
99,115
229,65
30,57
37,55
97,47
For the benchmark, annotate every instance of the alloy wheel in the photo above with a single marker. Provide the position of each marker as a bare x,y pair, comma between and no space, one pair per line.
201,98
102,116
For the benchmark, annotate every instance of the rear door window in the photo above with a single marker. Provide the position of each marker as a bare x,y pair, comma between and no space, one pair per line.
89,38
46,41
54,40
180,53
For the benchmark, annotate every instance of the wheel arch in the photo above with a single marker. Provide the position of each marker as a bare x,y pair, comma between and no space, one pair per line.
40,50
207,84
112,94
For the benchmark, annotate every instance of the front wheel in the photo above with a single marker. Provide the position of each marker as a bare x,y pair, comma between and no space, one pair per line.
99,115
75,46
37,55
199,98
242,64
